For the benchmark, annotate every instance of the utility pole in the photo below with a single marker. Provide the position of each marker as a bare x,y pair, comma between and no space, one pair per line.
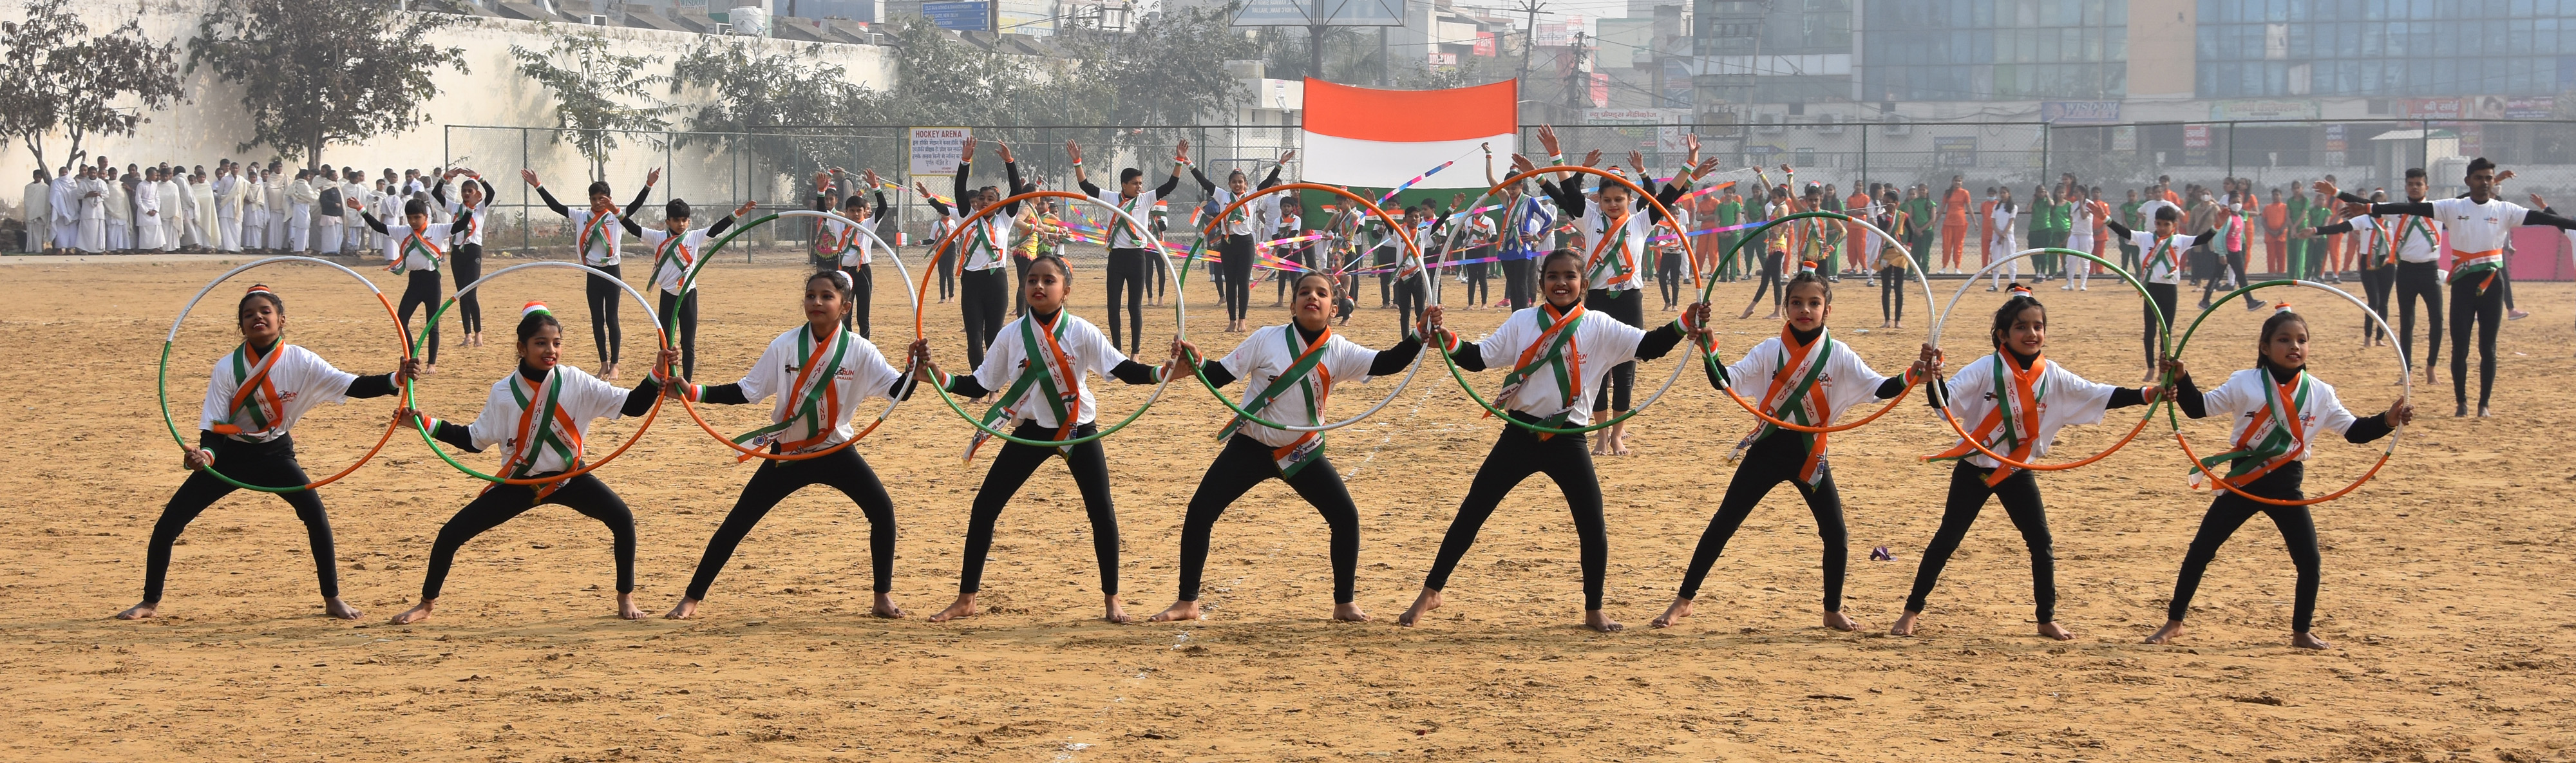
1578,83
1529,35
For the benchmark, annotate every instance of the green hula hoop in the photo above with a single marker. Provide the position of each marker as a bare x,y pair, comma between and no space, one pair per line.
410,401
2173,418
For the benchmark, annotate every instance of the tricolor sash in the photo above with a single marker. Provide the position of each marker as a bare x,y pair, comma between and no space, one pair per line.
1802,402
1556,350
815,404
538,425
597,232
415,243
1313,379
2280,443
2015,418
256,399
1620,265
675,251
2489,262
1046,368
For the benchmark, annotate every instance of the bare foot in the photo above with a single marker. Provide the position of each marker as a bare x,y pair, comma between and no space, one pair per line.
612,373
964,606
626,609
687,608
885,608
1841,622
1113,610
2166,635
417,613
2052,630
2308,641
1184,609
141,611
1904,624
1422,605
336,608
1349,613
1672,615
1596,620
1748,313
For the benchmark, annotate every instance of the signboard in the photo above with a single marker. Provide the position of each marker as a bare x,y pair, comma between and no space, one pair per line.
2431,108
1484,44
1627,116
2535,107
2195,136
1955,152
1321,13
2080,112
1437,60
2335,137
2255,108
935,150
960,17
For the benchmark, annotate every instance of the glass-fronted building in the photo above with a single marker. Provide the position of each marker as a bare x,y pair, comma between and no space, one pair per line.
1975,50
2371,48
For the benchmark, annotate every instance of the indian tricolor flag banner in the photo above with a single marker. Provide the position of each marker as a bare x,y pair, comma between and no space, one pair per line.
1368,138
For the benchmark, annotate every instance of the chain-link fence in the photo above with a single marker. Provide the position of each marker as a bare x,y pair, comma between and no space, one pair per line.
773,167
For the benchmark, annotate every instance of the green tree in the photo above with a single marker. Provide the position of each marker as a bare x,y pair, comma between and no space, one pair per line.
317,72
599,94
63,79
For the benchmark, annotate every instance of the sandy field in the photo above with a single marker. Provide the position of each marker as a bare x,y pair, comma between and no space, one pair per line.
2441,598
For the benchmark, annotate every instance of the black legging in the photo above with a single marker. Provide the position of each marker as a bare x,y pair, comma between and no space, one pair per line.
585,494
2020,496
2419,281
1772,460
1246,462
1517,454
1234,254
2161,298
1297,254
466,266
420,291
842,470
687,310
1518,290
2229,511
2377,284
864,282
1409,300
1770,279
1891,289
2486,313
1011,469
983,295
1019,275
270,464
1383,260
1161,277
2234,264
1627,307
1131,273
1668,277
604,299
946,264
1479,278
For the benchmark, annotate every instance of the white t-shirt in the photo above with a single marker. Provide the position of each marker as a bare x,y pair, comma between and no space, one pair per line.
862,374
1123,235
2475,227
985,243
856,246
1600,342
472,232
2246,394
2064,399
1266,354
1613,267
2418,238
672,256
2001,223
584,398
601,238
1256,217
399,249
1847,381
300,378
1084,346
2163,265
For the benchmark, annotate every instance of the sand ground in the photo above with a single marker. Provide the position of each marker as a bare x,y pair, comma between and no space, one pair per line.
2441,594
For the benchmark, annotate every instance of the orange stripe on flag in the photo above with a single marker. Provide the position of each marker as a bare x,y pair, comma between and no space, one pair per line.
1409,116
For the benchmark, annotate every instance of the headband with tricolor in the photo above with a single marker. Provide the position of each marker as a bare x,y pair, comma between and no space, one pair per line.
2018,288
259,288
2280,307
1806,266
534,308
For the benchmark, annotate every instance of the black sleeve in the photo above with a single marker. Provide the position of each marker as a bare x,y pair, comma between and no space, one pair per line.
1671,193
964,385
1218,376
963,171
2187,396
2122,231
720,226
2205,237
1132,372
936,204
372,222
551,203
2366,429
722,394
640,399
438,193
377,385
1716,374
1468,357
2329,230
1273,179
1660,341
1895,385
1568,195
879,214
2125,397
2424,208
456,435
1170,183
210,441
1394,359
489,195
1011,170
2348,196
2544,217
1088,189
823,199
1206,186
627,218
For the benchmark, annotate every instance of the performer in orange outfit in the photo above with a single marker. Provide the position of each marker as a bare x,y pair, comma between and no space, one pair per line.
1954,223
2276,233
